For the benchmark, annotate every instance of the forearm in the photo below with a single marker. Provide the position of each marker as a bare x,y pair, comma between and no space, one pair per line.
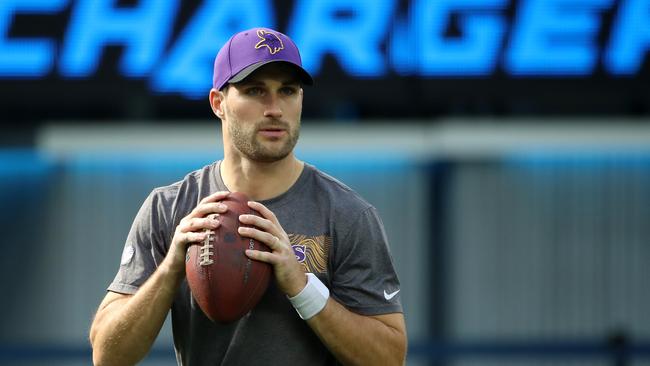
124,335
359,340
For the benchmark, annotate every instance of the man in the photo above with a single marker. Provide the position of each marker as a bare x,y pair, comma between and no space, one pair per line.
335,293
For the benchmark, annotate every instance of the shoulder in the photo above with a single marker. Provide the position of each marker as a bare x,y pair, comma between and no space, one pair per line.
182,195
191,180
343,199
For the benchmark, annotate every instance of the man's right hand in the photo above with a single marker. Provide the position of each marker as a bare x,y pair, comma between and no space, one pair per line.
126,326
194,227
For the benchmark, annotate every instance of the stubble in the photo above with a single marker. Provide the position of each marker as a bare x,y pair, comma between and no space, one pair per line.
247,140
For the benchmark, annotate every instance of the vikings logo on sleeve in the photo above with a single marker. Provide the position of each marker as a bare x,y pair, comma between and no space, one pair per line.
270,41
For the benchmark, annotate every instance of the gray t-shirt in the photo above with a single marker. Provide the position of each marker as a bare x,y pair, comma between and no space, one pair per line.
334,233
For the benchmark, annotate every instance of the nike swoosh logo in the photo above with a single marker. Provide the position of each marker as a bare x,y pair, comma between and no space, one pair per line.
388,296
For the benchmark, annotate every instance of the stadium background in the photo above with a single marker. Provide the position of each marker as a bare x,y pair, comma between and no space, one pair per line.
505,144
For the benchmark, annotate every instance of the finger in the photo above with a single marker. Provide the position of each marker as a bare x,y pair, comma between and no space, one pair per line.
265,212
260,222
269,239
217,196
194,237
198,224
266,257
205,209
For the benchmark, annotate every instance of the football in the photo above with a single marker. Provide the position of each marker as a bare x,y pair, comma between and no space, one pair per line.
225,283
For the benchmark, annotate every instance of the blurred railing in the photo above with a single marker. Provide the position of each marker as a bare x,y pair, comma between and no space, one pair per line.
614,351
575,350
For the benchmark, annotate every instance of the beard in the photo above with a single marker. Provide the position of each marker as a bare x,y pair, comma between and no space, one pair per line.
248,142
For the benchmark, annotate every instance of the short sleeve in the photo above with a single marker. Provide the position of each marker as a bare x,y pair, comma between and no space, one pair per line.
145,247
364,277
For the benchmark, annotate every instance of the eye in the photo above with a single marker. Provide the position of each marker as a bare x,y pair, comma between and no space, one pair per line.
289,90
254,91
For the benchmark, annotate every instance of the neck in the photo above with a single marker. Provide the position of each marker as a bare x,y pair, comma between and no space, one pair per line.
260,181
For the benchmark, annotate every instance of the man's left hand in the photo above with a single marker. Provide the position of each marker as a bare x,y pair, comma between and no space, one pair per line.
289,274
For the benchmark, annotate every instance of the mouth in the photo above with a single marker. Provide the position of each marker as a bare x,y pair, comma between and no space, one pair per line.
272,132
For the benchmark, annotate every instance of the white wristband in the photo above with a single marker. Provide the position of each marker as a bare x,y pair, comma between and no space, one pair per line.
312,299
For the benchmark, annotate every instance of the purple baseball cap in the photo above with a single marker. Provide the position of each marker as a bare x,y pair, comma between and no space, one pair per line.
251,49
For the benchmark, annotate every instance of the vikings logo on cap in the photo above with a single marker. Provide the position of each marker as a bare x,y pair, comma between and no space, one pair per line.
270,41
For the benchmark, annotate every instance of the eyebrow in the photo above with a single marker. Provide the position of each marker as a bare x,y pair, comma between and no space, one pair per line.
261,83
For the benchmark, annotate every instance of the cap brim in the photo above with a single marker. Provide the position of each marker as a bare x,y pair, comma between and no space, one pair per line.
240,76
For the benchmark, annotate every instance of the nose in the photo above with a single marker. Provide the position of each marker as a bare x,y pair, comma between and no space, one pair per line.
272,108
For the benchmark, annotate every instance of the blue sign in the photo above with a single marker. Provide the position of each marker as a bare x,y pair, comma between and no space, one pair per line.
367,38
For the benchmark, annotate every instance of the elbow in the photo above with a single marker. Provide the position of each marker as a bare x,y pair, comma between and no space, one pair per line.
400,355
92,337
400,347
99,355
99,359
104,353
393,351
104,358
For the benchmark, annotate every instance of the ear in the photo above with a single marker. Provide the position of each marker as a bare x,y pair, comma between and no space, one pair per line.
216,98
